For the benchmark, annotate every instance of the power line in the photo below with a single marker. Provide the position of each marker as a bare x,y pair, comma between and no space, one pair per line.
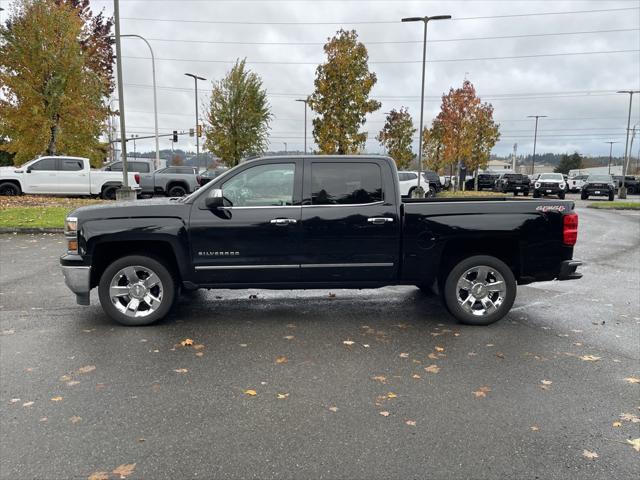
371,22
270,62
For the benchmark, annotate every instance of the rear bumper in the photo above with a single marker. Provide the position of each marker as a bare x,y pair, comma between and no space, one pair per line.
78,279
568,270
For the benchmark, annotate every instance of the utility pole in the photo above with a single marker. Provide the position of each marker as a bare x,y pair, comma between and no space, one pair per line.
418,192
622,192
305,101
134,146
196,78
610,154
285,147
125,192
535,138
513,157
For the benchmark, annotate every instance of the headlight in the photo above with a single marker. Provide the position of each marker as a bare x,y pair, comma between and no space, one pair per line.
71,225
71,234
537,185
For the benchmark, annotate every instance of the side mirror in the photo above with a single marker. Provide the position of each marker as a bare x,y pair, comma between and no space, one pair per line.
214,199
28,170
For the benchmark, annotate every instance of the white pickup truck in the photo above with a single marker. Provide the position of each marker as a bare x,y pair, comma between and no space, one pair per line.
62,176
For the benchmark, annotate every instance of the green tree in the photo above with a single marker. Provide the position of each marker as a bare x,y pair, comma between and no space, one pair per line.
341,96
569,162
238,117
52,98
397,135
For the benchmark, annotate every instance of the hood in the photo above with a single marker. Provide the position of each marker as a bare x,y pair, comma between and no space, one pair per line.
151,208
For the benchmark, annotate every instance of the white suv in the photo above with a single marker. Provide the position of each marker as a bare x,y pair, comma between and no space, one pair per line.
409,181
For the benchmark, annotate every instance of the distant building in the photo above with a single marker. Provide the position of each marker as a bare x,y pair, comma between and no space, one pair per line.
497,165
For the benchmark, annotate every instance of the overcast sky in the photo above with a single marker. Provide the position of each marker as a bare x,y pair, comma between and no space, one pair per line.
283,44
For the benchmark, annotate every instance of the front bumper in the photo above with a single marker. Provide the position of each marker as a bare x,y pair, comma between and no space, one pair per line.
568,270
78,279
597,192
550,190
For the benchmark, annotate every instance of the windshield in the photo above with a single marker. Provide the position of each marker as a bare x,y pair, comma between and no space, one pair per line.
599,178
551,176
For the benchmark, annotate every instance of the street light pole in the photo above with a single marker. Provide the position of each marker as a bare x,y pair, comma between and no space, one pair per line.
418,192
196,78
622,191
305,101
610,153
285,147
535,139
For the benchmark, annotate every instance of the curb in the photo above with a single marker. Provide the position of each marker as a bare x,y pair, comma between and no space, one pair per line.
27,230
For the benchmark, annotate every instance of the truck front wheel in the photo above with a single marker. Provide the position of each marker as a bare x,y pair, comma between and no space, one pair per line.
9,188
136,290
479,290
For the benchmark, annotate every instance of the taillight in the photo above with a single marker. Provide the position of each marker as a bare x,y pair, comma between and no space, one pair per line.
137,177
570,229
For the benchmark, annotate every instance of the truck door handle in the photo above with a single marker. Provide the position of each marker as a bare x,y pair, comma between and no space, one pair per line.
379,220
281,222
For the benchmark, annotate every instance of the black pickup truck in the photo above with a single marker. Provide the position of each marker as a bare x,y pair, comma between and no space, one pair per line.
316,222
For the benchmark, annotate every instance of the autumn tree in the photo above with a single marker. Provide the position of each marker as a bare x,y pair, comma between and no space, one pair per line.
54,79
238,117
432,148
468,132
341,97
569,162
397,136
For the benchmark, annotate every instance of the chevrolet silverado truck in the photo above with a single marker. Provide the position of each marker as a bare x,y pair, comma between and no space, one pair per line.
598,186
316,222
175,181
513,182
550,184
63,176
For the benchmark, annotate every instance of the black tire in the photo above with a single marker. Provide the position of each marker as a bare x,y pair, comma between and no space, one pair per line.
168,286
9,189
450,293
561,195
611,196
177,191
583,196
432,192
631,190
526,193
411,192
515,194
109,192
536,194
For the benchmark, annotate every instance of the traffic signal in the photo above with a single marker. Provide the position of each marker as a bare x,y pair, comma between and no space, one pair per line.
191,132
199,130
175,136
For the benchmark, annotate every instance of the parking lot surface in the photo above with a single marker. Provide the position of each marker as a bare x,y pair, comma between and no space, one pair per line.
325,384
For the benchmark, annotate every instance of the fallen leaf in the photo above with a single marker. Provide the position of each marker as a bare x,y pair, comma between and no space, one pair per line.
251,393
589,455
288,337
632,380
65,378
439,349
199,354
500,355
14,400
391,395
198,346
578,344
433,356
281,359
379,378
98,476
635,443
432,369
348,342
75,419
101,386
416,376
87,369
243,345
472,354
366,345
71,383
181,370
616,424
481,392
282,396
546,382
187,342
411,423
56,399
590,358
27,404
384,413
404,355
332,295
333,408
630,417
7,332
43,419
534,428
490,345
124,470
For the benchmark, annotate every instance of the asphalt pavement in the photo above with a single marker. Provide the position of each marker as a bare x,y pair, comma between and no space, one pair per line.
325,384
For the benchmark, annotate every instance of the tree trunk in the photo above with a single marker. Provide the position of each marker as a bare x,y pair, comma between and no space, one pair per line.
475,181
53,139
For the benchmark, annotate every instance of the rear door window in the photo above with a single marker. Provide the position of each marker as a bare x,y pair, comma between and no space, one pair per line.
343,183
71,165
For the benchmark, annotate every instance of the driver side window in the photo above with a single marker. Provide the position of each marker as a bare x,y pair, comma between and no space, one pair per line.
261,186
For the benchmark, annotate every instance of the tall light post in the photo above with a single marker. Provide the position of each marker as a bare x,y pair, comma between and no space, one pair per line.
196,78
610,154
622,191
305,101
155,95
535,139
285,147
419,191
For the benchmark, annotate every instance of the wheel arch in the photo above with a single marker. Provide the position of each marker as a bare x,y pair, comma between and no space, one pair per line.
177,183
14,181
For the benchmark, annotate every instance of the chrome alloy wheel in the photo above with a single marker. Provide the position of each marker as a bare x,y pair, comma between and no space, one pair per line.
481,290
136,291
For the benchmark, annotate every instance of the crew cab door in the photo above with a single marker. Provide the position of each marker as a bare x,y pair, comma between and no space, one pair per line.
350,224
255,237
42,176
73,176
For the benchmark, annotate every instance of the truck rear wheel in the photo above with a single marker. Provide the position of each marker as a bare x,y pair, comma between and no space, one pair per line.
177,191
109,192
136,290
479,290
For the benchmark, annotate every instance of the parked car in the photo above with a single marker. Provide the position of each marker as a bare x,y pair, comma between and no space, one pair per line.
574,184
512,182
598,186
550,184
486,181
434,181
63,176
209,175
408,182
175,181
136,166
339,222
632,183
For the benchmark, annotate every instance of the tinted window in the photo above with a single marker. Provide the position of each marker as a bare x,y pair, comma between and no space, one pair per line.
261,186
48,164
345,183
405,176
116,167
141,167
69,165
432,176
